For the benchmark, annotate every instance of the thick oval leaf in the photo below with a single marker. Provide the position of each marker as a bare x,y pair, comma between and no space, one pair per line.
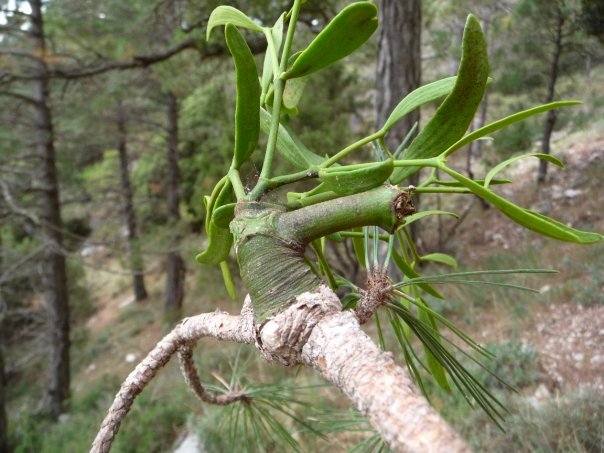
343,35
441,258
507,121
499,167
247,109
224,15
351,179
223,215
210,201
455,114
420,215
293,91
525,217
228,280
289,146
422,95
220,240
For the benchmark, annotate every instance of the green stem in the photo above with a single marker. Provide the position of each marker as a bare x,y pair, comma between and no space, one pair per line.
350,148
291,178
374,207
278,85
442,190
237,184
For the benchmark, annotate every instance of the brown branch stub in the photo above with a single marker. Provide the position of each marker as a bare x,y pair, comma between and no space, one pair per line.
218,325
402,206
378,287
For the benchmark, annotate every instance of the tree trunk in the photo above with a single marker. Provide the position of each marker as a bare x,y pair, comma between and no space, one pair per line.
398,70
550,121
55,273
3,422
136,265
175,266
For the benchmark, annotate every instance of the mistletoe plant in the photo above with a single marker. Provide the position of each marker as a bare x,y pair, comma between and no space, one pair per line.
292,313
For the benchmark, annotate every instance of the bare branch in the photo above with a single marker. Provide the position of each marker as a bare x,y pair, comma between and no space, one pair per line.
21,97
10,201
218,325
187,367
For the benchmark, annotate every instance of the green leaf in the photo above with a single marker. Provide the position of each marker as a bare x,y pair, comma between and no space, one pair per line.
455,114
420,215
441,258
228,280
224,15
409,272
223,215
418,97
210,201
293,91
220,240
275,34
351,179
289,146
505,122
491,174
525,217
343,35
436,369
247,110
358,244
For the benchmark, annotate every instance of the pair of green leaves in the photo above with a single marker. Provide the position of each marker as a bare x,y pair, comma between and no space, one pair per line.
344,34
454,115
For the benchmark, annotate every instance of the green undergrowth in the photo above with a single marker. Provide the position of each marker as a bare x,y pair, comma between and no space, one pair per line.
571,422
151,426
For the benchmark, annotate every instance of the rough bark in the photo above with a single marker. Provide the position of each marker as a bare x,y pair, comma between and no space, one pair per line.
55,273
550,120
175,265
3,421
138,281
380,389
398,70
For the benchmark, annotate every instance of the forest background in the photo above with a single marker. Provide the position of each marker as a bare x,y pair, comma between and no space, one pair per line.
116,119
